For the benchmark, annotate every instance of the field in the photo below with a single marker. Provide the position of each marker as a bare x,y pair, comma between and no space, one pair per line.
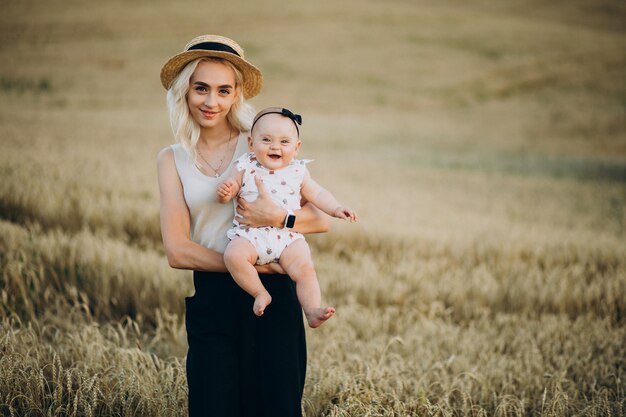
482,143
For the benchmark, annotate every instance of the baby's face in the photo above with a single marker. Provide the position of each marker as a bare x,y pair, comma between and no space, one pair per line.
274,141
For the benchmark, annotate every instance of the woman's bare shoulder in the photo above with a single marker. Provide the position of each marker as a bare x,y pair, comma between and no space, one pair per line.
165,156
166,152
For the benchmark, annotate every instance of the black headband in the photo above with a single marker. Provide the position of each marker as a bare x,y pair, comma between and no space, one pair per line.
295,118
213,46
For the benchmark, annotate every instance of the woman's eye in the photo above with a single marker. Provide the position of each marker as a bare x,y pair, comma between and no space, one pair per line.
224,92
201,89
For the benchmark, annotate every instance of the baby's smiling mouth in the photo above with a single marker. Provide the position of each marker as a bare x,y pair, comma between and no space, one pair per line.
274,156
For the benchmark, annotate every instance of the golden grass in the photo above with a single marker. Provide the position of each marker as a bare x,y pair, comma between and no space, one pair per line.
86,370
482,144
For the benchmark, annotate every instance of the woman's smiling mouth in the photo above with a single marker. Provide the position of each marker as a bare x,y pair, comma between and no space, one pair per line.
208,114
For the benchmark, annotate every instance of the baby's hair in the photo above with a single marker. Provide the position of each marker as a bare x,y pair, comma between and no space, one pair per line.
295,118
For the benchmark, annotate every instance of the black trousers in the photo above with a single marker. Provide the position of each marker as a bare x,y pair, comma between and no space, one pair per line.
238,364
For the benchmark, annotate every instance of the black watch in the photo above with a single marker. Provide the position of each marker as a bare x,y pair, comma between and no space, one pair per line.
290,219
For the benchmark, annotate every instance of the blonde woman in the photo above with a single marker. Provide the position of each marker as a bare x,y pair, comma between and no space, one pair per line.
238,364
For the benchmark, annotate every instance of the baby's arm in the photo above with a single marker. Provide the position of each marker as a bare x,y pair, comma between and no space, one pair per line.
228,190
324,200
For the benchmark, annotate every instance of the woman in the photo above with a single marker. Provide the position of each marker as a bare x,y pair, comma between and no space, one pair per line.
238,364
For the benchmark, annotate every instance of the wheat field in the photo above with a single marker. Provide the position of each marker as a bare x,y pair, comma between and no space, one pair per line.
483,145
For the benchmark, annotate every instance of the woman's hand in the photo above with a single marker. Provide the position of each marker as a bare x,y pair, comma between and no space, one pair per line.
260,212
271,268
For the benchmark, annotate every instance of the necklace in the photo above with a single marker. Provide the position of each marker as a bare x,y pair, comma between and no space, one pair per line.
216,170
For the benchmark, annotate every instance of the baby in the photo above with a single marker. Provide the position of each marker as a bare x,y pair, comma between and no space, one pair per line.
274,142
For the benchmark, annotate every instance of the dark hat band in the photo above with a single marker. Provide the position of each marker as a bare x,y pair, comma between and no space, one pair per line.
213,46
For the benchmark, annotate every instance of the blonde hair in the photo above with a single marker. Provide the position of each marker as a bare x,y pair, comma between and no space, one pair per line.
186,129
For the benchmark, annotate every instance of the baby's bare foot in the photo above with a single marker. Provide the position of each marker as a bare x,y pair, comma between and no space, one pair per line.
317,316
261,301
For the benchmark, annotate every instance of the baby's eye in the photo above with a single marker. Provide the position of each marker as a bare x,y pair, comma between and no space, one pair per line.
265,140
285,141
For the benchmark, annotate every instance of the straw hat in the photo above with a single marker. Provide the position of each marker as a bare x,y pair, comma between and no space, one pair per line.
217,47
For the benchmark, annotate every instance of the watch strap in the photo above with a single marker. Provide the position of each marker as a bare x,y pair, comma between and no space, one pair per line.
290,220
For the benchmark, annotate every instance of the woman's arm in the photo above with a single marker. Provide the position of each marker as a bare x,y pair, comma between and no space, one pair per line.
264,212
182,252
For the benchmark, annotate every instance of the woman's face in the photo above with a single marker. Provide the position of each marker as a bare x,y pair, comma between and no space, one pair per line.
211,93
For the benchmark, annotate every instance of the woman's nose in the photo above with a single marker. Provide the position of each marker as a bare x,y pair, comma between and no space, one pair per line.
209,100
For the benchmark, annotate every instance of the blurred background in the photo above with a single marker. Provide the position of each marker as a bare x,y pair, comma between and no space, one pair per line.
482,143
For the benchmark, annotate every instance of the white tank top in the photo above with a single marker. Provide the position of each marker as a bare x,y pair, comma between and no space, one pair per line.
209,219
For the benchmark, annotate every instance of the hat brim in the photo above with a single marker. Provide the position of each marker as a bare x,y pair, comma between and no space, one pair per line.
252,77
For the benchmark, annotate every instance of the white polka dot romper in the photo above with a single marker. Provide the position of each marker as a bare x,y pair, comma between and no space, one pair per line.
283,185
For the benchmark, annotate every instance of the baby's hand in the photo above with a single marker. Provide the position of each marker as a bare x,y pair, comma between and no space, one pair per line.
345,213
225,191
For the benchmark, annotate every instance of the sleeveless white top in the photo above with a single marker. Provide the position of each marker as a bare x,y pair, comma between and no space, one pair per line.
209,218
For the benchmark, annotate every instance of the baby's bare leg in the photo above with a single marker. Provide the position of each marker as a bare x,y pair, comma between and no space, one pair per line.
240,257
296,261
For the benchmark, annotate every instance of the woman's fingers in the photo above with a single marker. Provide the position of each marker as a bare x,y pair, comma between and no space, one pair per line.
260,186
242,204
240,209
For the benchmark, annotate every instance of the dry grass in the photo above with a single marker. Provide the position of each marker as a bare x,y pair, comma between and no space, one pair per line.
483,145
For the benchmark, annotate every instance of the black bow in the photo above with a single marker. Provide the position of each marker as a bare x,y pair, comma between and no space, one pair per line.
295,117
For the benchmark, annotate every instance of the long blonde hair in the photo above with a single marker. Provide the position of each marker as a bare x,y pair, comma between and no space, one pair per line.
186,129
